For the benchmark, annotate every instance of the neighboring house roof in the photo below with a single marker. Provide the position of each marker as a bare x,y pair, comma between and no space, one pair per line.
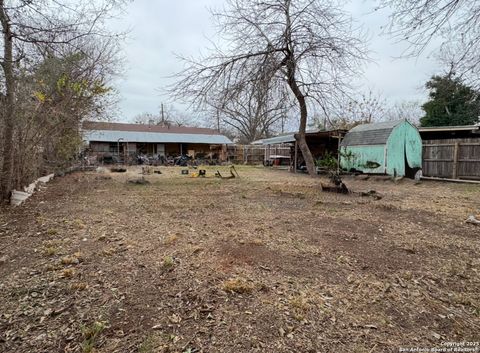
370,134
473,128
112,132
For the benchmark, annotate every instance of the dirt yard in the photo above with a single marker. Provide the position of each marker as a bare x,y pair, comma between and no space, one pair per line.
264,263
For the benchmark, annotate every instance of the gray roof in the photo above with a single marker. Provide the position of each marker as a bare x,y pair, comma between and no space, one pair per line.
285,138
370,134
449,128
154,137
276,140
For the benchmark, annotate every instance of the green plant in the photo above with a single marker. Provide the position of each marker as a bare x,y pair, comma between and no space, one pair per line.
328,161
168,262
90,335
346,154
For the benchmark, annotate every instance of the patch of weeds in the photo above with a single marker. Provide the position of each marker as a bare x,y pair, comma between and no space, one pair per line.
68,273
40,220
299,302
78,286
148,345
108,252
77,223
257,241
344,260
51,251
90,335
237,285
159,342
171,239
168,262
70,260
51,267
52,231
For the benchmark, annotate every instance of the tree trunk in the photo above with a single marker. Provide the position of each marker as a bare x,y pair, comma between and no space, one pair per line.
7,65
300,137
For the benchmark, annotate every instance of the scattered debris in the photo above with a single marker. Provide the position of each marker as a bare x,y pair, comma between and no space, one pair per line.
103,177
18,197
101,170
118,169
338,186
177,275
371,193
46,178
139,181
202,173
362,177
233,174
473,220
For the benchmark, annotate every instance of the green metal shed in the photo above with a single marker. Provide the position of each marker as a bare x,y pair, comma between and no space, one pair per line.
392,147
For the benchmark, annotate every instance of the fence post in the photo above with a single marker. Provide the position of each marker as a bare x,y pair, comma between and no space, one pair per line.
455,160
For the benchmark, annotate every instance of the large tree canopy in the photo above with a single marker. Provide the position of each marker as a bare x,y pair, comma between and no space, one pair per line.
451,103
55,58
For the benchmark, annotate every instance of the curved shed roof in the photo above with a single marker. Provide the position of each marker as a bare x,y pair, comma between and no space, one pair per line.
370,134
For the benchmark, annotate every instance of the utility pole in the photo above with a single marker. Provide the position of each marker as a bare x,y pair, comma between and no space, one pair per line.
163,115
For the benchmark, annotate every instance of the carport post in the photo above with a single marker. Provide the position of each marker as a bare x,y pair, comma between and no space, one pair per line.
296,157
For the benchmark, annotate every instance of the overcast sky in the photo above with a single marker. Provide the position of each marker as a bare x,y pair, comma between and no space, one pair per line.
158,29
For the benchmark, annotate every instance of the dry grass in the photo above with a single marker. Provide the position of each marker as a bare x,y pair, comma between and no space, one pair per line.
264,263
238,285
67,273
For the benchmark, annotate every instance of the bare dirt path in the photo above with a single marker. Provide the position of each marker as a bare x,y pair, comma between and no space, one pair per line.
265,263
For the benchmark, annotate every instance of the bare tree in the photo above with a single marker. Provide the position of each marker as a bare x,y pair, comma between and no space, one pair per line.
167,116
253,113
409,110
31,31
350,112
309,47
368,108
455,23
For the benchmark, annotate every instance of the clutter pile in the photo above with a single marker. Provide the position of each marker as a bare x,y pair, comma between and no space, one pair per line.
18,197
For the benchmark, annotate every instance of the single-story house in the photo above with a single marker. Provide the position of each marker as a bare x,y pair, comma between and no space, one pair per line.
451,152
392,147
122,140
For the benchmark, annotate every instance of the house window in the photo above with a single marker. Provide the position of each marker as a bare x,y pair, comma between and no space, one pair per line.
113,148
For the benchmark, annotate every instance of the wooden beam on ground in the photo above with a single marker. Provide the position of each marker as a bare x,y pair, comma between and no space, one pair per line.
452,180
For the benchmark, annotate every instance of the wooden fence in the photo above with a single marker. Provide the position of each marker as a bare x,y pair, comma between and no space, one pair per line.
452,158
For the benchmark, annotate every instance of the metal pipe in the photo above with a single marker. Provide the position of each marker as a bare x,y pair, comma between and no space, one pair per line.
451,180
118,148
